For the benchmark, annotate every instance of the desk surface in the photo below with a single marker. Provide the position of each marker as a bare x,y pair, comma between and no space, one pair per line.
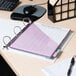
25,65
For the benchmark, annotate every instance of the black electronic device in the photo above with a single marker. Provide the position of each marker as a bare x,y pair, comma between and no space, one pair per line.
33,12
5,69
29,10
8,5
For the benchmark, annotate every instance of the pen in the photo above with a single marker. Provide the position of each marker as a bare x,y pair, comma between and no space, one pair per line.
71,66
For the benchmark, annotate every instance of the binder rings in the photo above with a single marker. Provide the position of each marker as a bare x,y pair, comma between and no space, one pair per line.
39,39
7,29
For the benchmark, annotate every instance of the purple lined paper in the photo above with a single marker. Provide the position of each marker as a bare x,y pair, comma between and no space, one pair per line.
35,41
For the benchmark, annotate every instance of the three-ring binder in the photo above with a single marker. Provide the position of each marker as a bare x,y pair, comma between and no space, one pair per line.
16,34
33,40
40,40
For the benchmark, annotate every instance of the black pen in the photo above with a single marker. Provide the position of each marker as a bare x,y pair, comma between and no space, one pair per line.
71,66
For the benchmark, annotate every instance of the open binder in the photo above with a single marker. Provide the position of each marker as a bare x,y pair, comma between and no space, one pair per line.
40,39
7,29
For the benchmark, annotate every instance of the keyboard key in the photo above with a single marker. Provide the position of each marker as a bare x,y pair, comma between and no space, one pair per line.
8,5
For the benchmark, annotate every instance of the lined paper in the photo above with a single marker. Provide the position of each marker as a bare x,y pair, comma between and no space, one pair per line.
54,32
35,41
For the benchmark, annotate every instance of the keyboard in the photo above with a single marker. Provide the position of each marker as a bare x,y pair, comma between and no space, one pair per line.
8,5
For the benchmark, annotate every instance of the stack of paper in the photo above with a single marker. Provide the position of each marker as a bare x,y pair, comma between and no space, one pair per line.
60,68
39,39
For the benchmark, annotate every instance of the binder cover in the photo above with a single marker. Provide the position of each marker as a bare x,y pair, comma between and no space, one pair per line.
34,39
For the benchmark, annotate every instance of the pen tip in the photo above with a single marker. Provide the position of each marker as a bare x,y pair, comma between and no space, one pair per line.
73,61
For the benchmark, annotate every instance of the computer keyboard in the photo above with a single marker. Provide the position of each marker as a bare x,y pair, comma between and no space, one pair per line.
8,5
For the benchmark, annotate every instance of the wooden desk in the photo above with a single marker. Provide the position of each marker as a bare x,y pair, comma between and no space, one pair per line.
25,65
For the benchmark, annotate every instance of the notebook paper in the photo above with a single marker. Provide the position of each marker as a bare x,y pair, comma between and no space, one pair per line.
43,41
39,39
60,68
35,41
54,32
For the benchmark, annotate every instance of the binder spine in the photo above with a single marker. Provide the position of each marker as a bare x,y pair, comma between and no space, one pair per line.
17,35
